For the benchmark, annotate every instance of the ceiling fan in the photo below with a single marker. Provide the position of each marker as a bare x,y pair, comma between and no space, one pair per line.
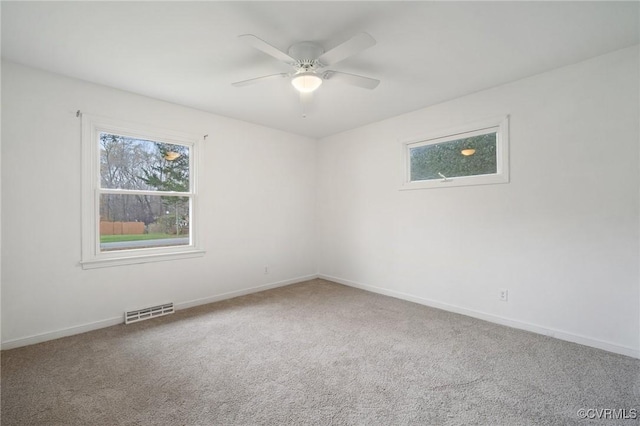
309,59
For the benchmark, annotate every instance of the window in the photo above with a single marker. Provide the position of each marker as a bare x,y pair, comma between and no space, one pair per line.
139,194
471,155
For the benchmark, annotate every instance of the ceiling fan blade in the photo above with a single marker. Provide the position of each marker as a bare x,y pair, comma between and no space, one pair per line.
267,48
352,79
350,47
259,79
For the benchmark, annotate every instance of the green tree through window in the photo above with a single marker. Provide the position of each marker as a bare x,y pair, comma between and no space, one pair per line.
171,174
447,159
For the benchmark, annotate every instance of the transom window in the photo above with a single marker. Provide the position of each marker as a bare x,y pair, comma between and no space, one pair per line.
139,194
470,155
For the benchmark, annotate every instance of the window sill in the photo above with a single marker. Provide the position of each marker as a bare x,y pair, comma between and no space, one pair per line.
142,258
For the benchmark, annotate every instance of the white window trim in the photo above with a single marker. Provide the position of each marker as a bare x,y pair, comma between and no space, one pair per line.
499,125
92,257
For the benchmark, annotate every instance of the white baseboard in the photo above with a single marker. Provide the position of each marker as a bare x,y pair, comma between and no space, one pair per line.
70,331
243,292
534,328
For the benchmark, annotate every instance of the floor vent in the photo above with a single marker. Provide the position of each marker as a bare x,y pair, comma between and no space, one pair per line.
148,313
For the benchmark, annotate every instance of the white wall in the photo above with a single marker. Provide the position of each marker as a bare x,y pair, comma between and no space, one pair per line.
562,236
257,194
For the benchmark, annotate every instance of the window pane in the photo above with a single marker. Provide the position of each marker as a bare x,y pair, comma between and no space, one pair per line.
470,156
129,163
143,221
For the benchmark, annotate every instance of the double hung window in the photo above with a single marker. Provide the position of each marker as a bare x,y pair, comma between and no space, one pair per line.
139,193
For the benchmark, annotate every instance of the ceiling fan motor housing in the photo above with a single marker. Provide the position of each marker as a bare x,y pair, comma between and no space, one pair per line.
306,53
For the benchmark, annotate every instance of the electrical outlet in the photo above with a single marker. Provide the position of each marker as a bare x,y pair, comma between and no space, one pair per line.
266,269
503,294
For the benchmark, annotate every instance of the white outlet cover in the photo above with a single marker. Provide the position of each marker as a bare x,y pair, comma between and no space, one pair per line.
503,295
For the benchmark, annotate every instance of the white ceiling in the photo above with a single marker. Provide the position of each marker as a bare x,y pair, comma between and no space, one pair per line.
427,52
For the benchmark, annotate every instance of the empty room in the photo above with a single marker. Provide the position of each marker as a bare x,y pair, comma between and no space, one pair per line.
310,213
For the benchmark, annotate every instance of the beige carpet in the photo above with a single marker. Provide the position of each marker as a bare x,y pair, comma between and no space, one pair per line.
314,353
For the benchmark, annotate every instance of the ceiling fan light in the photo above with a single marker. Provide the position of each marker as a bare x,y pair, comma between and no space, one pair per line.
306,82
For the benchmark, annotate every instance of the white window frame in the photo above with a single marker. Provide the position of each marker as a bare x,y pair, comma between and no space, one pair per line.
92,256
498,125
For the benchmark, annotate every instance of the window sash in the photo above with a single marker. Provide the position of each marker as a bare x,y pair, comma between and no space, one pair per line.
145,192
498,125
145,135
98,248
